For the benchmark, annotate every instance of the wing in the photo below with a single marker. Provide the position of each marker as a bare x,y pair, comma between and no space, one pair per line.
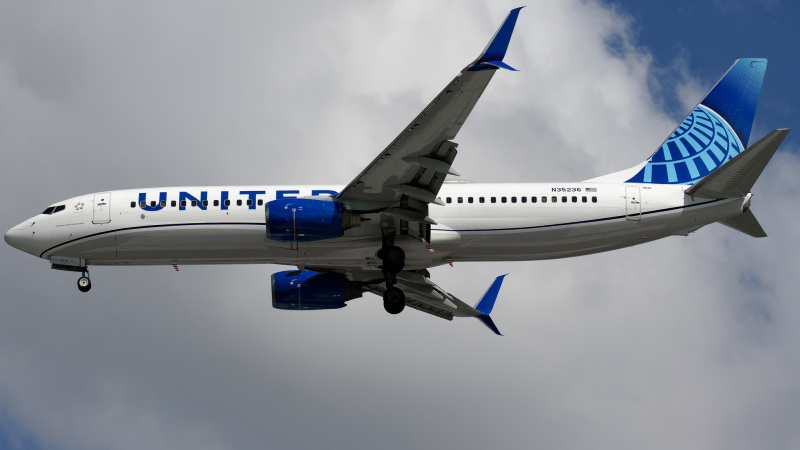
424,295
416,163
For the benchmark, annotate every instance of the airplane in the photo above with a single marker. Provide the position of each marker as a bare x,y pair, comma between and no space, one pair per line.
405,213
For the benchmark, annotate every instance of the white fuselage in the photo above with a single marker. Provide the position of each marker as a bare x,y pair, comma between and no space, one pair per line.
479,222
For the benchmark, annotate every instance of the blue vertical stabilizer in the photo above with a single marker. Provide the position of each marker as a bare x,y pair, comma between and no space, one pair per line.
716,130
735,96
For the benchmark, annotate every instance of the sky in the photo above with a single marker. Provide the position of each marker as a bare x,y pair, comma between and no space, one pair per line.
687,342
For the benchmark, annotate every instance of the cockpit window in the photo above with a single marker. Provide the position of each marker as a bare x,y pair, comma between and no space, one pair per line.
54,209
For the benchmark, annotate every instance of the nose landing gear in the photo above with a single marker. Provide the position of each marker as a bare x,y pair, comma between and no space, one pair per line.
84,283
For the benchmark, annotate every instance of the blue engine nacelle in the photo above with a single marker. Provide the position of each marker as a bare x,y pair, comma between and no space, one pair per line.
294,289
304,220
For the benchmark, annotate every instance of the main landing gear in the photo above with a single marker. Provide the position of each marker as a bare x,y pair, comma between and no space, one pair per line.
394,259
84,283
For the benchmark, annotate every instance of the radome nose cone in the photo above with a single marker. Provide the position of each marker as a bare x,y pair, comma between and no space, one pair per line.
15,238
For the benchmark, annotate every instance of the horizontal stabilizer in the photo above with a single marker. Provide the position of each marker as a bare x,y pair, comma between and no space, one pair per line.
736,177
746,223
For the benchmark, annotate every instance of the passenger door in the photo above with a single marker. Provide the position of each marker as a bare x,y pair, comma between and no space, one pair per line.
633,203
102,207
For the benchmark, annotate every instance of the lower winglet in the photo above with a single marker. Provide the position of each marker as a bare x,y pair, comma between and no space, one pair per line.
489,324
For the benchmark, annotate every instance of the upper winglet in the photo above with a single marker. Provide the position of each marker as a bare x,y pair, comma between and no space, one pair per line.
495,51
486,303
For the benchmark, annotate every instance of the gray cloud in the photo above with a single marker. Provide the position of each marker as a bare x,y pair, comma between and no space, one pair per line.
685,342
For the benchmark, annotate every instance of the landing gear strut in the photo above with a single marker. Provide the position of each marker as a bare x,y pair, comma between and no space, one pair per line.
84,283
394,259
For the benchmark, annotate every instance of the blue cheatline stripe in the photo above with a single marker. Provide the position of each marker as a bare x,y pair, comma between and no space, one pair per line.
582,221
117,230
263,224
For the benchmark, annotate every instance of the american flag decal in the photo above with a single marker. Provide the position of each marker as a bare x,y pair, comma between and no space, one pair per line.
591,189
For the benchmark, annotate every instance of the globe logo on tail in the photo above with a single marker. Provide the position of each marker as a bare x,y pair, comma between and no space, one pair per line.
703,142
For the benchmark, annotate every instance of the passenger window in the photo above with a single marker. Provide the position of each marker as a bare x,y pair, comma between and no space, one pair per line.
449,200
142,204
481,199
544,199
469,199
163,203
227,203
574,199
503,199
460,199
173,203
153,204
216,202
594,199
249,202
194,202
533,199
554,199
133,204
183,203
494,199
205,203
513,199
564,199
583,199
238,203
260,201
524,199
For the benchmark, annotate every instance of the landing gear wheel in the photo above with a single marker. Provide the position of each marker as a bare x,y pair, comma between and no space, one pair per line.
394,258
84,284
394,301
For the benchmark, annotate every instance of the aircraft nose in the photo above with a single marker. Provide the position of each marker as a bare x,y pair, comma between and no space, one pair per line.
14,238
20,236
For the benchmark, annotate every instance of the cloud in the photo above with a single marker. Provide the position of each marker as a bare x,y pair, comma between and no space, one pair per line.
681,342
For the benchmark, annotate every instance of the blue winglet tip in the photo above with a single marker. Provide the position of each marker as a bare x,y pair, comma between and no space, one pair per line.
499,65
495,51
486,320
486,303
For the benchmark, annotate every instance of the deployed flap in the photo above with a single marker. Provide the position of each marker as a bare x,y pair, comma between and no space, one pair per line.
420,157
746,223
736,177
